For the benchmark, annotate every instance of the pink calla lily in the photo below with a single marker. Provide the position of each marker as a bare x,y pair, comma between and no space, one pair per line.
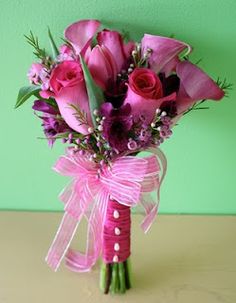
164,51
195,85
74,96
80,34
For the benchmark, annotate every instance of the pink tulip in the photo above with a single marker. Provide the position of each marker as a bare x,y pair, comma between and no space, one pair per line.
102,66
108,57
113,41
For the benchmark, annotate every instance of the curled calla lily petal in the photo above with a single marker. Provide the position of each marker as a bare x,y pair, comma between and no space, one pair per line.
114,42
170,67
163,49
195,85
80,34
69,101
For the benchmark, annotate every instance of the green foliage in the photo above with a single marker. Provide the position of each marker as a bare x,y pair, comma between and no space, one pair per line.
25,93
55,51
38,51
79,115
224,85
95,93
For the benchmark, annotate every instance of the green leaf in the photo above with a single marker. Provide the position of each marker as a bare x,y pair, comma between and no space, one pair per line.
55,51
25,93
95,93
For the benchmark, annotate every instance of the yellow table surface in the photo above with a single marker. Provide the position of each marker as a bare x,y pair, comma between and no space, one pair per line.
183,259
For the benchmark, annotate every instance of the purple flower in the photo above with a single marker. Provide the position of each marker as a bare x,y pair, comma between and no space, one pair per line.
44,107
117,125
145,135
53,123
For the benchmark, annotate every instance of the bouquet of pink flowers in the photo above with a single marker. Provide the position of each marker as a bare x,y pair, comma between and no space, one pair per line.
110,99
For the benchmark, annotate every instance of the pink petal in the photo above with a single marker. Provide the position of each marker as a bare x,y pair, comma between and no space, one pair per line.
113,41
128,47
143,106
80,34
102,66
170,67
163,50
195,85
46,94
77,96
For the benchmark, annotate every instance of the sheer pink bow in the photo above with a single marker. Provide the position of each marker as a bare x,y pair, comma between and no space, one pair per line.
129,180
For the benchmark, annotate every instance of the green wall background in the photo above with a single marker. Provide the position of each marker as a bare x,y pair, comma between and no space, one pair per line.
201,154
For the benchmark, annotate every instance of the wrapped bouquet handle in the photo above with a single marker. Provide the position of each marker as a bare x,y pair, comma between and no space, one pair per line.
93,187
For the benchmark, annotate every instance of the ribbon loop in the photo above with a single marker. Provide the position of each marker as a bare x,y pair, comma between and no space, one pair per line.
129,180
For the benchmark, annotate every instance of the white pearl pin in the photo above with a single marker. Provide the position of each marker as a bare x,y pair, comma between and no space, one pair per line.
117,231
116,214
115,259
117,247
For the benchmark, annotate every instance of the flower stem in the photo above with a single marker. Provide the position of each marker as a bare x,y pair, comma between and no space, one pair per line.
108,278
127,267
122,277
115,277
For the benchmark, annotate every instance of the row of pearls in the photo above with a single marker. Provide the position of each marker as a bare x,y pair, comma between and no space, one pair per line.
117,231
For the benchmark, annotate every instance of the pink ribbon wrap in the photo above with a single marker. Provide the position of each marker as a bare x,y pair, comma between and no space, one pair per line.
129,180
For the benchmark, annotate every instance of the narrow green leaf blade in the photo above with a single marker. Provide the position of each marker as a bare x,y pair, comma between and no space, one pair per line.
95,93
55,51
25,93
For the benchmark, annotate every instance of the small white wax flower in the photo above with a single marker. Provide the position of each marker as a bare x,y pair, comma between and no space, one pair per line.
90,130
158,111
132,145
100,128
163,114
153,124
130,70
95,112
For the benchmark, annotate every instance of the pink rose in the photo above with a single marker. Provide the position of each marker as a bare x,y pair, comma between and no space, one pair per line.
34,73
69,91
146,83
66,74
145,93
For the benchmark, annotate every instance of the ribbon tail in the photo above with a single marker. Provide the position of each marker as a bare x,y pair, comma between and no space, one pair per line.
61,241
79,262
150,207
